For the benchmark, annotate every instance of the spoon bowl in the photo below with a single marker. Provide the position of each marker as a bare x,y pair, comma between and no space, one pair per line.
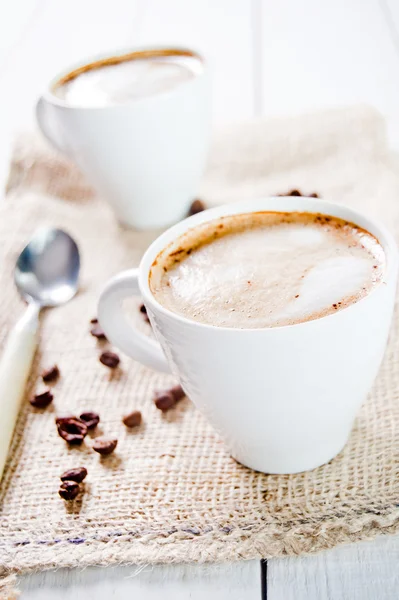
47,269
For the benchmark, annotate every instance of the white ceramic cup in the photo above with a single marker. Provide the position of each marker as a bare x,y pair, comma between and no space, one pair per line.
145,156
283,398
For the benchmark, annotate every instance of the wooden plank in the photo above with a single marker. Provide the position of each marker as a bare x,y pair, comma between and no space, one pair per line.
14,20
223,31
238,581
363,571
390,9
318,54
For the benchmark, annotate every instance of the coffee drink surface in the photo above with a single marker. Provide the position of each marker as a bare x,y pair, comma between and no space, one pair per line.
118,81
267,269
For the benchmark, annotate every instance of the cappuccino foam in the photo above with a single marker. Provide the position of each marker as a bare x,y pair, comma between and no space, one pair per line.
128,80
267,269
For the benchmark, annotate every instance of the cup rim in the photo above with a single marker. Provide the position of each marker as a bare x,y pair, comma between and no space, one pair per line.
91,60
269,203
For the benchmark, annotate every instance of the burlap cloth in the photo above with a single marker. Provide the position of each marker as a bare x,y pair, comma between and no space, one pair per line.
171,492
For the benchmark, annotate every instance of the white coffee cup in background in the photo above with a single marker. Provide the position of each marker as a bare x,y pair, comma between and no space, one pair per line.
144,149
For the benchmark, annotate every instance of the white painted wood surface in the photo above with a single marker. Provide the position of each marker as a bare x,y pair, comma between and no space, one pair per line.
329,53
240,581
364,571
223,32
268,58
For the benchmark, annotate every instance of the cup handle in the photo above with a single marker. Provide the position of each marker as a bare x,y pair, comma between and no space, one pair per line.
47,126
117,328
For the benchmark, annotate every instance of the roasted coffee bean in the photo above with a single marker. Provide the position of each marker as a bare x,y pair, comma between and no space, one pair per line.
97,332
294,193
94,321
314,195
164,400
196,207
177,392
42,400
72,430
90,419
77,475
69,490
133,419
109,359
104,447
64,417
51,374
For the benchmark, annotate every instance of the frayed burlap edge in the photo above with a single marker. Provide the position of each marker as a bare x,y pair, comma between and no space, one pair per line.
207,547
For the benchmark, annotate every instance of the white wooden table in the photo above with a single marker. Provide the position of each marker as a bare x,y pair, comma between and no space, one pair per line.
365,571
268,58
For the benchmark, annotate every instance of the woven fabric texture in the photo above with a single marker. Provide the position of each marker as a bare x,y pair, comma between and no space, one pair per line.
171,492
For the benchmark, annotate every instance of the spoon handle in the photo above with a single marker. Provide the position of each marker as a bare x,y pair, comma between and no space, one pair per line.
15,367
